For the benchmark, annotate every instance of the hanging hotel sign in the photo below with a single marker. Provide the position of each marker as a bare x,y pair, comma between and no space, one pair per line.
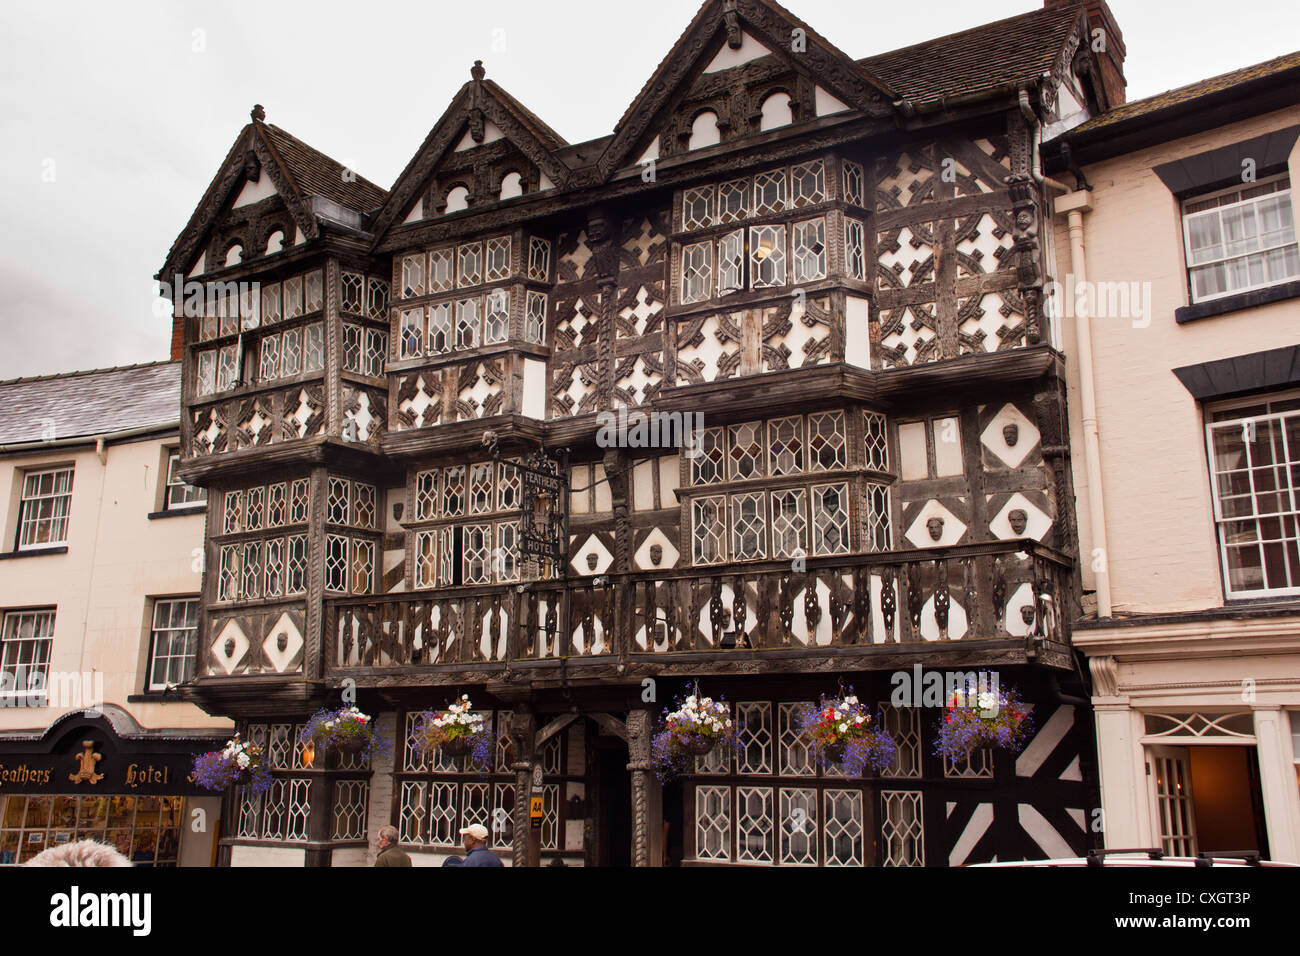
543,500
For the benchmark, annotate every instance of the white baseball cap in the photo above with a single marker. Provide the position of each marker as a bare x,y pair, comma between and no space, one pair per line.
476,830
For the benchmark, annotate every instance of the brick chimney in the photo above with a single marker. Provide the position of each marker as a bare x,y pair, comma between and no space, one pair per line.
1110,59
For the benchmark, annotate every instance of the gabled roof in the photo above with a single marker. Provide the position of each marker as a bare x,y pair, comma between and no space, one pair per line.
769,23
480,98
90,403
314,173
1011,52
298,172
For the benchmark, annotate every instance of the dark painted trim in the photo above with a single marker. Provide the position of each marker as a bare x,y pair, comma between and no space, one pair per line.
1223,167
33,552
1242,374
179,512
1235,303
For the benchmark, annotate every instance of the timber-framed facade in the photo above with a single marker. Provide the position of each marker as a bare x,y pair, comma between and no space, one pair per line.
839,265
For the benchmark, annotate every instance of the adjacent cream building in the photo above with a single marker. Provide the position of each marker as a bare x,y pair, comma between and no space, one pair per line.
100,568
1179,299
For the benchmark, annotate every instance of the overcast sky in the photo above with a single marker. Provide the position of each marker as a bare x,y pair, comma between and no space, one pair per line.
114,116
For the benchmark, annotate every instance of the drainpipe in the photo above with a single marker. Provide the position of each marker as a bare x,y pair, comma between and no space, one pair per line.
1074,206
1036,128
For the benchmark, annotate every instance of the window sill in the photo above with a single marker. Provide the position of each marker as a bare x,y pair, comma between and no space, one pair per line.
1235,303
155,697
33,552
179,512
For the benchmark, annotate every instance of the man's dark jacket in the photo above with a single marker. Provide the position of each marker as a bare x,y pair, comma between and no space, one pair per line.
392,855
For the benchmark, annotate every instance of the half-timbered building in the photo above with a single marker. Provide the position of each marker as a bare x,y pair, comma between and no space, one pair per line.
831,271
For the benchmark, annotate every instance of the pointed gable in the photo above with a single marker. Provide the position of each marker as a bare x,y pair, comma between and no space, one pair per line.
272,172
731,35
483,136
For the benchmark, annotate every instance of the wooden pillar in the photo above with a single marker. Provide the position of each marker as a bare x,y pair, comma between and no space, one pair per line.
647,795
523,733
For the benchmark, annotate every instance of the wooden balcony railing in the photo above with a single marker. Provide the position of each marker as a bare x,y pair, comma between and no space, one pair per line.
990,591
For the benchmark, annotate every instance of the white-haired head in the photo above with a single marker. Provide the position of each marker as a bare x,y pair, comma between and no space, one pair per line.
81,853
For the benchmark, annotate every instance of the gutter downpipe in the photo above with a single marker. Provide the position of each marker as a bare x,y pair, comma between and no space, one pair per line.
1088,406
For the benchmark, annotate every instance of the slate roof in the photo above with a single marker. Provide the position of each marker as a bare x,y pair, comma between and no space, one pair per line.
90,403
315,173
1186,94
1008,52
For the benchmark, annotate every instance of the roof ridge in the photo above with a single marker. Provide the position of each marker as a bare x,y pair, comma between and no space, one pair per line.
1293,55
55,376
1072,9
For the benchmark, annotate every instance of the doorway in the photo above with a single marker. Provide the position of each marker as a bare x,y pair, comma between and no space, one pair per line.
1208,799
614,803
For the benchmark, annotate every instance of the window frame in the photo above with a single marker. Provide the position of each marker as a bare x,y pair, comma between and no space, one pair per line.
1185,219
44,642
24,502
151,685
1220,521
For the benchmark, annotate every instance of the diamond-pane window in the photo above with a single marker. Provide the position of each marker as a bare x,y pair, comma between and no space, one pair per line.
877,441
276,505
697,208
708,530
745,459
336,563
274,567
471,264
786,445
843,827
798,827
250,583
480,488
507,486
731,262
441,270
313,347
255,509
363,565
808,184
314,291
339,503
352,347
291,353
377,299
268,363
755,828
810,250
707,467
879,533
426,554
697,272
467,323
440,335
535,318
854,184
478,554
767,256
733,201
412,333
539,259
413,276
299,497
497,318
426,495
453,491
498,258
363,505
713,823
748,527
271,303
507,551
352,288
769,192
902,832
789,523
830,519
296,577
855,256
826,441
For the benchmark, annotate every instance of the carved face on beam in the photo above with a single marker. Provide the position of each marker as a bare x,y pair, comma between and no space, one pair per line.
935,527
1019,520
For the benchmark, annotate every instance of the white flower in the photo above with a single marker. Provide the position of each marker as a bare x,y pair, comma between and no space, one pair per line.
843,727
858,719
243,761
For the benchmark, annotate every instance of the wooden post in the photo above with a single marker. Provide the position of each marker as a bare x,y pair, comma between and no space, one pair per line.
647,795
526,847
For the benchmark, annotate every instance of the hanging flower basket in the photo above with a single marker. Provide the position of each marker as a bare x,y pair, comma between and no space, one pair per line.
346,731
456,731
696,728
840,732
984,715
239,764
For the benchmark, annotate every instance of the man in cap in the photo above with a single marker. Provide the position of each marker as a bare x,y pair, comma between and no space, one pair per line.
476,848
